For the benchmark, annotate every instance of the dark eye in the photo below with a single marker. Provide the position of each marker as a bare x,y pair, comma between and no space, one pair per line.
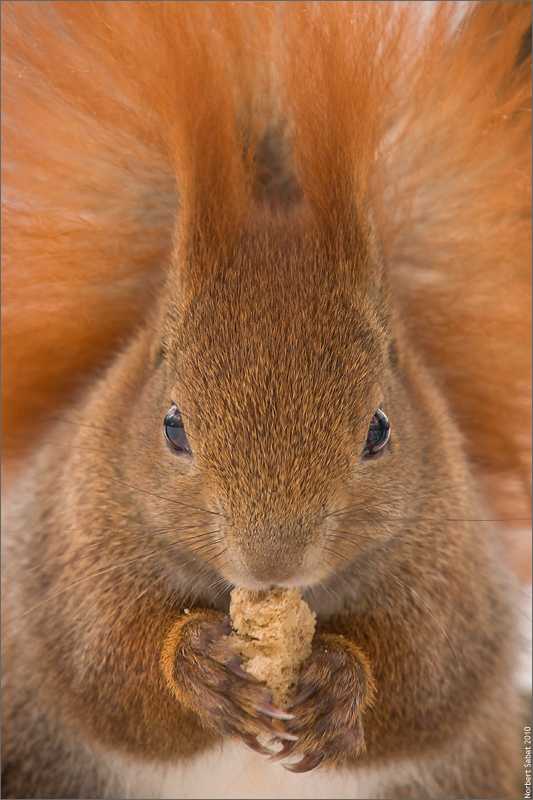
175,432
378,434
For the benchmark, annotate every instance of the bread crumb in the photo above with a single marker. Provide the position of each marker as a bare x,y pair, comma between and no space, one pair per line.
273,631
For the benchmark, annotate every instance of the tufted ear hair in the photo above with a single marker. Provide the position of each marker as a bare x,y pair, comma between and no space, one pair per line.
338,105
196,94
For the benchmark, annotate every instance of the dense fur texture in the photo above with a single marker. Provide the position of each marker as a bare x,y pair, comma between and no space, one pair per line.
279,217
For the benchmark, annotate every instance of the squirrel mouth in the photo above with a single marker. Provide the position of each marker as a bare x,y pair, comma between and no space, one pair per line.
272,573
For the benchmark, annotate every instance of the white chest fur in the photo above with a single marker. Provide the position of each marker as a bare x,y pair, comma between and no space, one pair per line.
234,772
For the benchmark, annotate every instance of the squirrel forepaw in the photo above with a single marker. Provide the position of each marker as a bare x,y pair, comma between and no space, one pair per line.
334,691
206,675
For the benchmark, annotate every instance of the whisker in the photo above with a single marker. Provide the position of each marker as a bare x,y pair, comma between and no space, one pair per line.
225,585
145,491
76,422
55,444
415,495
333,552
108,431
325,587
374,519
103,544
336,534
100,572
507,583
419,597
521,611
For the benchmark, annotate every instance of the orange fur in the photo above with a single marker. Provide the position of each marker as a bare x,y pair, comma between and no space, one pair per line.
111,110
290,219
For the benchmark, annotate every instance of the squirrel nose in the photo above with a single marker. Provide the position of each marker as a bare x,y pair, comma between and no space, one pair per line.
273,555
271,568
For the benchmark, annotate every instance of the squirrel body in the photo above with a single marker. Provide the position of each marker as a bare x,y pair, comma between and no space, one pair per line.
281,398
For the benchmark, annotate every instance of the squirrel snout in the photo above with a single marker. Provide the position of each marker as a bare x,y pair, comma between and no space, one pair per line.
274,556
272,567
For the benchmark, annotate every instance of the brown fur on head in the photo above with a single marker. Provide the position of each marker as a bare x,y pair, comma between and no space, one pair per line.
367,114
278,362
278,352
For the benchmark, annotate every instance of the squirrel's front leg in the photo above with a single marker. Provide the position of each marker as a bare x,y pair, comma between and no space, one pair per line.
334,691
205,674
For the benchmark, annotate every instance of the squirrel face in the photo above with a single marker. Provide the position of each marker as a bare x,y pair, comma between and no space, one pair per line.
278,362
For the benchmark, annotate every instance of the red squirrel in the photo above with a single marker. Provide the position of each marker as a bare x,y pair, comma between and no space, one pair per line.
267,302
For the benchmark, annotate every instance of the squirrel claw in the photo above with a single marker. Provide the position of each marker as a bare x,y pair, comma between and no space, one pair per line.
285,751
251,741
275,713
306,764
304,694
280,734
235,667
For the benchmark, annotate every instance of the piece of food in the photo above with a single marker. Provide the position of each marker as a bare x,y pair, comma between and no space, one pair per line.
273,631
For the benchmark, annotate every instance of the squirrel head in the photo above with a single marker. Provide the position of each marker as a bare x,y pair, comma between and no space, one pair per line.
277,355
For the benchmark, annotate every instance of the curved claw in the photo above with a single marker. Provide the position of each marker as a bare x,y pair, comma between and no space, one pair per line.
235,667
251,741
285,751
279,734
306,764
304,694
275,713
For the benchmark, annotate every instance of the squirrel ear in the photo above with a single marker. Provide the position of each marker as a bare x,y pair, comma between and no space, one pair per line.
202,113
336,103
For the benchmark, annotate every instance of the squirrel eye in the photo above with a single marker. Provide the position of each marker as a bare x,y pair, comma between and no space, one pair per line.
378,434
175,432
